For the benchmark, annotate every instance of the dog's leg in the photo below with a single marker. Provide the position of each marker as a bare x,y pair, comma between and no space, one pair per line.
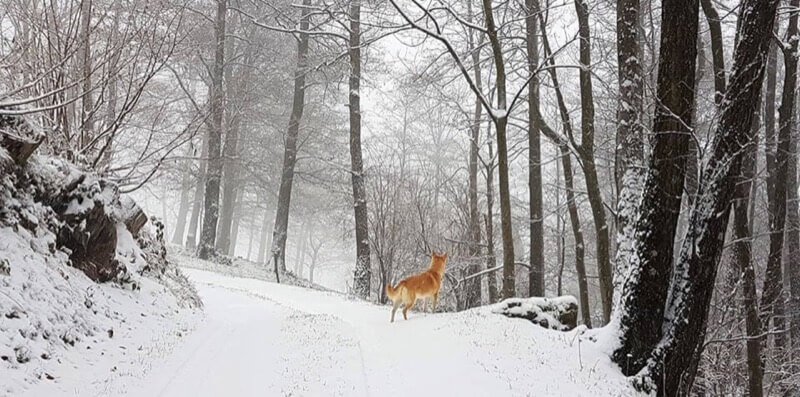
409,306
435,300
395,305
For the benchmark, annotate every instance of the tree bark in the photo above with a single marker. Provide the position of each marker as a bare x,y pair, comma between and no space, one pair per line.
501,123
491,260
281,226
792,280
237,217
717,52
742,236
673,364
645,289
87,103
363,272
214,172
629,153
263,243
536,272
589,167
779,178
197,200
629,140
473,288
183,209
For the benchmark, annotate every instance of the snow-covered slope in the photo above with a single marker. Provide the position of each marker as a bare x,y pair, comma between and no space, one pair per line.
264,339
60,331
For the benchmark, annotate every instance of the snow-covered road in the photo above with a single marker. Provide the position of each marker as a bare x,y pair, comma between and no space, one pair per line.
264,339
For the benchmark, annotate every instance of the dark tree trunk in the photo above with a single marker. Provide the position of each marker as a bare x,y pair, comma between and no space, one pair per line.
363,272
792,241
281,226
208,235
778,180
183,209
629,153
237,218
197,200
501,123
674,364
589,167
230,180
742,236
645,289
491,260
473,288
577,234
629,140
263,243
87,103
717,53
536,272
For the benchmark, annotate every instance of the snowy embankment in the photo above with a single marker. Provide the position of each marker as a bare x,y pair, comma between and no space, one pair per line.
86,292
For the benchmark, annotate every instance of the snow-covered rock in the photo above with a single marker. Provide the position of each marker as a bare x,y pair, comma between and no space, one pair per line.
560,313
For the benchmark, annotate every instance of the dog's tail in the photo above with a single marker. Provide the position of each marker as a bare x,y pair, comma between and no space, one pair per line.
393,292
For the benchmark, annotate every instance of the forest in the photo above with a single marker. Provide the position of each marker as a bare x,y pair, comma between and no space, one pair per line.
639,155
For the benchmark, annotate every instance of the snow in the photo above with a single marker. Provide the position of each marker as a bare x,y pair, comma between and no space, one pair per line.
259,338
61,332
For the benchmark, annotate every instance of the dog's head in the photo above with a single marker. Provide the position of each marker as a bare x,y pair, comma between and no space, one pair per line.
438,257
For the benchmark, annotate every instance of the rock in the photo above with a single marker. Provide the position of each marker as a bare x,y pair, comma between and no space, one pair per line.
5,267
18,137
560,313
133,216
89,227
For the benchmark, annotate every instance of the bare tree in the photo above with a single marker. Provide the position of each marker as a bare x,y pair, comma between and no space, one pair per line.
214,139
536,272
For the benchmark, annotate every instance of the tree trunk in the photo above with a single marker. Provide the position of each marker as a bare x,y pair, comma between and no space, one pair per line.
501,123
536,272
792,280
363,272
717,53
779,178
742,237
629,140
263,243
629,153
87,103
587,155
281,226
491,261
695,271
183,209
197,200
473,288
644,292
237,218
214,172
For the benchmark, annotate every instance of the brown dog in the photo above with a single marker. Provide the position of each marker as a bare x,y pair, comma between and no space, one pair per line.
418,286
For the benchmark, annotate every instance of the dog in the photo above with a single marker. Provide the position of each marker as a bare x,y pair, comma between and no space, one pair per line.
418,286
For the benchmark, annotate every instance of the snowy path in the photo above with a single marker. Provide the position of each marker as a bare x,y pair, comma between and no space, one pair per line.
264,339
